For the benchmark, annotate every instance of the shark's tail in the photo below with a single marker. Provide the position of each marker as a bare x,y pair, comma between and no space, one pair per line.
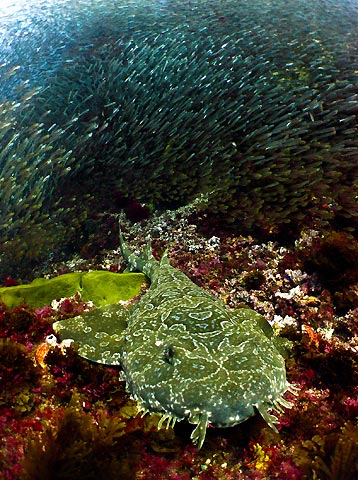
145,262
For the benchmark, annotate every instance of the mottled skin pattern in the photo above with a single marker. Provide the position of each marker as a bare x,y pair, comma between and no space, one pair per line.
186,355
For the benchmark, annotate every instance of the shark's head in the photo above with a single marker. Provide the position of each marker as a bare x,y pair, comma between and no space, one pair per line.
209,376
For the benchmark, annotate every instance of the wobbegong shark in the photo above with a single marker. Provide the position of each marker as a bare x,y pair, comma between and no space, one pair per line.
184,353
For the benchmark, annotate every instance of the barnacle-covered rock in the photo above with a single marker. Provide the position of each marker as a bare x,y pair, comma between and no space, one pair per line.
248,106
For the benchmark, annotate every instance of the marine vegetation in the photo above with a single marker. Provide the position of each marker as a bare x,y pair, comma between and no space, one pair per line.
18,375
184,354
99,287
72,445
247,109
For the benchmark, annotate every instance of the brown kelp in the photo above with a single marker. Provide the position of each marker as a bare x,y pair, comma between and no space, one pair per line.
248,108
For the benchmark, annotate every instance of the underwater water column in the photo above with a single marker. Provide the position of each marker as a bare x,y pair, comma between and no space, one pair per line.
247,108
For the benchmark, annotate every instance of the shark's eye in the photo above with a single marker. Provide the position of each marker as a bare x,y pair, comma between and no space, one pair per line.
169,355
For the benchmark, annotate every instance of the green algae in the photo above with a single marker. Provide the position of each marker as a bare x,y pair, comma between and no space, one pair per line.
98,286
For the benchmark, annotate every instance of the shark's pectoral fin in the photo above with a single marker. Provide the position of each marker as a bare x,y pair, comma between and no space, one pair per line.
97,333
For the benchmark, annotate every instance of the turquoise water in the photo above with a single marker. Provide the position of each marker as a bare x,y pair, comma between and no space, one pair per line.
39,34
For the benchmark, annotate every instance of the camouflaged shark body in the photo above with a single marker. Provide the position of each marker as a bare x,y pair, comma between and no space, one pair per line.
185,355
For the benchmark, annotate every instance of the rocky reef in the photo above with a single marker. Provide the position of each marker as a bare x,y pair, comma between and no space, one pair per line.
64,417
247,109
